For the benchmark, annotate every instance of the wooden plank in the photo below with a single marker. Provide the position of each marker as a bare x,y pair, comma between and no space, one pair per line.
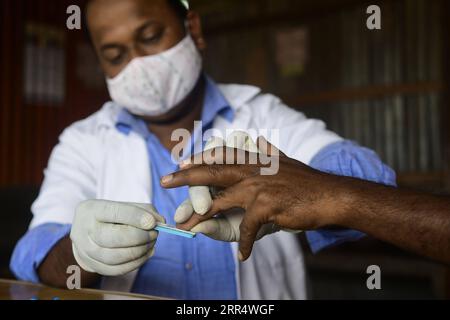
365,93
302,11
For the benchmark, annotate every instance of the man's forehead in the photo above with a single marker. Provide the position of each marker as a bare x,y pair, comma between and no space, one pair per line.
102,15
100,10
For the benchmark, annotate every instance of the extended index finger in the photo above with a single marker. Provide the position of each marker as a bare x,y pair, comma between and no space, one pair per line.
221,155
207,175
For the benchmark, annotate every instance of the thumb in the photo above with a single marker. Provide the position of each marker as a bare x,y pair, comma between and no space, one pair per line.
151,210
134,215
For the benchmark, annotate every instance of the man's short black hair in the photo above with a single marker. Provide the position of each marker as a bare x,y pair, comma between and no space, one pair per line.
179,9
176,5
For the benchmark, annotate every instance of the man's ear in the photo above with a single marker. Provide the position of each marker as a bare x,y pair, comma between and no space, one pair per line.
195,29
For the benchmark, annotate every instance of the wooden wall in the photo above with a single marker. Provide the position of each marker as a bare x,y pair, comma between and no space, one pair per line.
29,132
372,87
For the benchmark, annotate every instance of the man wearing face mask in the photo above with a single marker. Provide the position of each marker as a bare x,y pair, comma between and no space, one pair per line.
150,53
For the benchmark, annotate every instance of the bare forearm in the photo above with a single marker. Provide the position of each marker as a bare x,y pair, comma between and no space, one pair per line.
53,271
414,221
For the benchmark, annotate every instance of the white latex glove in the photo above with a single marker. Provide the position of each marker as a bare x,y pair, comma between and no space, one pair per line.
113,238
225,227
200,197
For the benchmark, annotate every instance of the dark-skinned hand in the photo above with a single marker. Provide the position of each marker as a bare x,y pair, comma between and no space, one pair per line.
297,197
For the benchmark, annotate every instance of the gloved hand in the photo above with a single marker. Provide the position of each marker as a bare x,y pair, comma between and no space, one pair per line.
224,227
112,238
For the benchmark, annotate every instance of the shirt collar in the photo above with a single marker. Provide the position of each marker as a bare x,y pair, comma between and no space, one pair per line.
214,105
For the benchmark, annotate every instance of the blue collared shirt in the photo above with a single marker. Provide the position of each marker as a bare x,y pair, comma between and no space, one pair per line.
200,268
184,269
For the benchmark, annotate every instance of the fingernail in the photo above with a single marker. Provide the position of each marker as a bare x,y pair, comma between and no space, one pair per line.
167,179
240,256
147,222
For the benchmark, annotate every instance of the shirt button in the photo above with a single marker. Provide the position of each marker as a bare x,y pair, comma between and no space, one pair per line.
189,266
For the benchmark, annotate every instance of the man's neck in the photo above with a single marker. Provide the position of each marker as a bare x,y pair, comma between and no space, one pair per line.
186,113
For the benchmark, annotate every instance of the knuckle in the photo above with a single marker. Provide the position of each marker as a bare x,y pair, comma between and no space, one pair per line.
220,194
251,185
112,210
263,199
213,171
85,206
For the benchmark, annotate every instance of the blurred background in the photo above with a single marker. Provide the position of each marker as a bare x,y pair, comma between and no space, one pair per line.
386,89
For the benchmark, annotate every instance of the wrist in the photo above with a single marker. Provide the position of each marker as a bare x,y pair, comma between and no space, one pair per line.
342,204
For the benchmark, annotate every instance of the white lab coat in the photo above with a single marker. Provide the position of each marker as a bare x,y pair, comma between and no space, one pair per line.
94,161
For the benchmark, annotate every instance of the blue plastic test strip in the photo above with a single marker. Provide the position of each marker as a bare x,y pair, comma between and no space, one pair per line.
175,231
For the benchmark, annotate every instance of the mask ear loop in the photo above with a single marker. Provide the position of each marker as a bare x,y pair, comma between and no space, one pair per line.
186,27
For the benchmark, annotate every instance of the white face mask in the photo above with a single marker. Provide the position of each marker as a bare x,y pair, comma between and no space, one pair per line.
153,85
